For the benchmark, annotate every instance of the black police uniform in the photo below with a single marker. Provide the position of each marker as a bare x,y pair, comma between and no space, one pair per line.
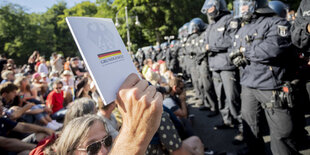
206,83
301,36
225,74
140,56
192,64
181,57
265,42
147,52
174,64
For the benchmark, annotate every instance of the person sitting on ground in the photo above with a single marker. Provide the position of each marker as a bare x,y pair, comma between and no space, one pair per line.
75,68
38,84
11,145
11,65
7,76
141,108
105,112
57,62
12,107
168,140
83,88
165,74
176,103
90,136
79,108
40,111
55,100
43,67
25,91
68,86
3,62
67,64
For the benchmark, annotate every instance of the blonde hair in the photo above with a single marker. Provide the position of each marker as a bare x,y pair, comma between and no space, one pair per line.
5,74
74,133
18,82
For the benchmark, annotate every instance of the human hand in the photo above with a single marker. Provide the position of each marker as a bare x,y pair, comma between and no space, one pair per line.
29,105
182,96
308,28
235,53
141,108
48,110
240,61
207,47
49,131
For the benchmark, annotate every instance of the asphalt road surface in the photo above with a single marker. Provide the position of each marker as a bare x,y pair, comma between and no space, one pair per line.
221,140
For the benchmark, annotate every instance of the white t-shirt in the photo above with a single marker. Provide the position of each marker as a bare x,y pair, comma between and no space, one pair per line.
43,69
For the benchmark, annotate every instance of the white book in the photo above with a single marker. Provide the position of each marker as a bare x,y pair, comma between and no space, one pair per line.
103,52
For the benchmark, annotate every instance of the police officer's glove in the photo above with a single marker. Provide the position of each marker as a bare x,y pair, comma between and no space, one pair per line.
235,53
210,53
240,61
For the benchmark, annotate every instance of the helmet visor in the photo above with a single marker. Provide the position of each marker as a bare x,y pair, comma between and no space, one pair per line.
243,9
208,4
192,28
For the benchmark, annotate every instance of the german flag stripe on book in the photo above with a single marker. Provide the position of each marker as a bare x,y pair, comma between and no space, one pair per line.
109,54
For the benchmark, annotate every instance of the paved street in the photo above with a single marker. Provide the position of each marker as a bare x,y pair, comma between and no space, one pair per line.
220,140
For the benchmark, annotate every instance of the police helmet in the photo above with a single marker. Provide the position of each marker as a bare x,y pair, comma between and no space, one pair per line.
185,30
180,33
246,8
139,50
279,8
157,48
164,45
173,43
219,5
196,25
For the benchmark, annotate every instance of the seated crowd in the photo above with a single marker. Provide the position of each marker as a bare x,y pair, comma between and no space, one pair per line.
44,102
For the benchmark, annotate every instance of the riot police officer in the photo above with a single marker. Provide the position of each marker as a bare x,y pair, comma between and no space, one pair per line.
300,31
181,54
147,52
301,27
158,52
173,56
260,48
140,56
197,26
191,60
301,34
164,46
225,74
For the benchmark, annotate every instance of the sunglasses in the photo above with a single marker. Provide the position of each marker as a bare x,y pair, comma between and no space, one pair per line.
95,147
58,87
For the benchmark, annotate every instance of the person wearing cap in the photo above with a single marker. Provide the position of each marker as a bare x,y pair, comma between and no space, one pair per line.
68,85
76,70
67,80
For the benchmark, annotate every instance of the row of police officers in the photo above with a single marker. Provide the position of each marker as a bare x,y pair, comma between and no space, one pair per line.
247,65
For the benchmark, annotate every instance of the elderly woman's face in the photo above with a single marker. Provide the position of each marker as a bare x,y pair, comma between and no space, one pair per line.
96,133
